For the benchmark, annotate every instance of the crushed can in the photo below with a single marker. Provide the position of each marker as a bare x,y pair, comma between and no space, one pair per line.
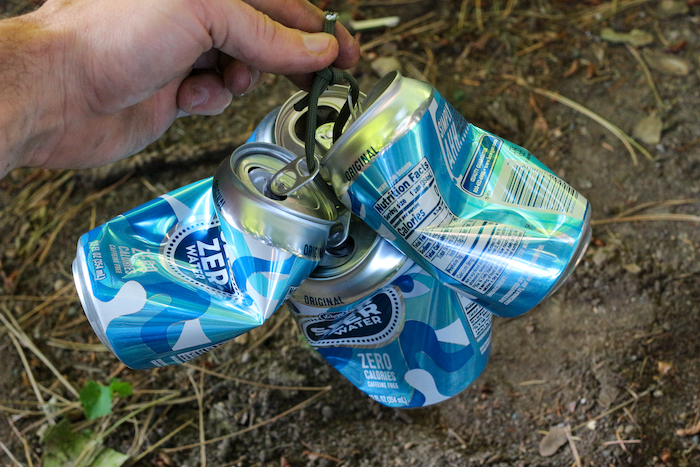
162,283
481,214
389,327
290,124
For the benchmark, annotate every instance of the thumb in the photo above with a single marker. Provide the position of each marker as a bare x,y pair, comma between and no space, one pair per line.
247,34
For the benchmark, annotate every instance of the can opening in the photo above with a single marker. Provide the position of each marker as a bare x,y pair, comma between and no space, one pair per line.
379,89
343,250
325,114
260,178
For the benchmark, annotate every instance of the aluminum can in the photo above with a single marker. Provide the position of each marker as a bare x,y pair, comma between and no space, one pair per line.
161,285
290,124
388,326
287,236
480,213
265,131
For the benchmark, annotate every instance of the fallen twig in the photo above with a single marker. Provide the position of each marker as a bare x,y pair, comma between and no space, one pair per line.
572,445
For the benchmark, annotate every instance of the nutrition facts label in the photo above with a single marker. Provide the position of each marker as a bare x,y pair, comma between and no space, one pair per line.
474,252
478,317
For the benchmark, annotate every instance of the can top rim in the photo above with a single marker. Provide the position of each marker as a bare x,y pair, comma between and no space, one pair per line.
304,202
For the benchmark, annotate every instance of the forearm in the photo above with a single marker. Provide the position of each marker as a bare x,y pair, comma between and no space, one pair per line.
29,94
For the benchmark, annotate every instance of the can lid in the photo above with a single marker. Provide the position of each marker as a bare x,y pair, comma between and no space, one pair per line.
290,126
244,200
391,109
360,265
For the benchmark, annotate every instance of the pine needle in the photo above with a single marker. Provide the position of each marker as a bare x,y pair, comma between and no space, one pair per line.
19,334
627,140
648,218
297,407
161,441
32,381
659,103
255,383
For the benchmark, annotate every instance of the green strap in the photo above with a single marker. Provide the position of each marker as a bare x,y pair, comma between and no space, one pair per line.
324,78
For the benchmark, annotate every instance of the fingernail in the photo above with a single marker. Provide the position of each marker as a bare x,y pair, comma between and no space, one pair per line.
318,42
199,96
254,77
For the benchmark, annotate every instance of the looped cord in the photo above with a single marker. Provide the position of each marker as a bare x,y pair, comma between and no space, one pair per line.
324,78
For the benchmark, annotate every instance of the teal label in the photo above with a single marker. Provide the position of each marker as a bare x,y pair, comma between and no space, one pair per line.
481,166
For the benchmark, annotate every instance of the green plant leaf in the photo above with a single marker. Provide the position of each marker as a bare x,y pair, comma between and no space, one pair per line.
63,447
122,388
96,400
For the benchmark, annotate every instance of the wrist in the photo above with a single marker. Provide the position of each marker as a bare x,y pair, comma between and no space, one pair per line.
30,93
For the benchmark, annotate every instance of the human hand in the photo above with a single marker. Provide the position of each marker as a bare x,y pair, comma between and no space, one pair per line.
105,78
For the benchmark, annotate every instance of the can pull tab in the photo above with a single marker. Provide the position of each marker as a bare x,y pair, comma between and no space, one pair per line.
293,176
324,137
355,108
340,230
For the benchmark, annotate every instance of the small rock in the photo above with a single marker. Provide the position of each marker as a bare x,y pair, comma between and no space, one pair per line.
551,443
648,130
635,37
327,412
658,393
382,66
632,268
666,63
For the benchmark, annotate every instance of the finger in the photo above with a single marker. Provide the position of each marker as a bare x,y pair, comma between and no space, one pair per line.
253,37
209,60
302,14
203,94
304,81
241,78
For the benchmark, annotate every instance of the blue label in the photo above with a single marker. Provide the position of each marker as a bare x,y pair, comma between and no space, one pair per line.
481,166
164,285
410,343
481,214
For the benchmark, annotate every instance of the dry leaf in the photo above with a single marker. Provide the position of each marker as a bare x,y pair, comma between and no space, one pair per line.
666,63
664,367
635,37
648,130
552,441
632,268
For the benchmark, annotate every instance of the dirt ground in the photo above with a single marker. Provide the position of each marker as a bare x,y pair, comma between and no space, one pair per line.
609,366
